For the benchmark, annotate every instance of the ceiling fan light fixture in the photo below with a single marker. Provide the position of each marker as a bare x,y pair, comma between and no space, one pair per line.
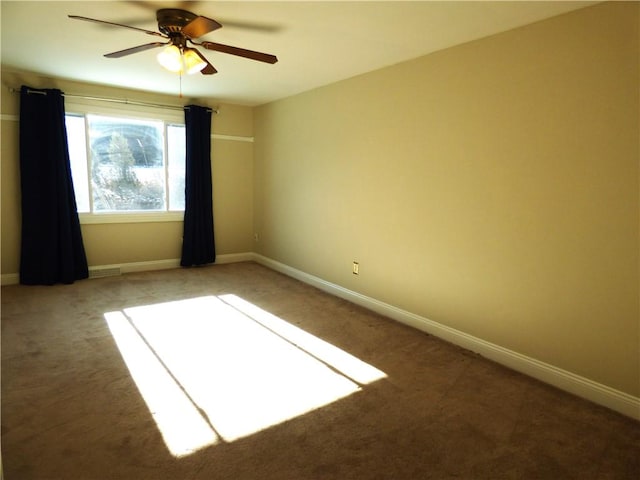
192,61
171,59
179,27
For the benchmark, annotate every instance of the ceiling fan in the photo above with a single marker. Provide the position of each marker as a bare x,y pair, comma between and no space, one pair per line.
179,28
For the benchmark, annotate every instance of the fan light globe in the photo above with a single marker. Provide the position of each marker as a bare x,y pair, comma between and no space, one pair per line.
171,59
192,61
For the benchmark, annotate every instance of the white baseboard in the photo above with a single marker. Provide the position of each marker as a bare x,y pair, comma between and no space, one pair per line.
173,263
583,387
235,258
9,279
131,267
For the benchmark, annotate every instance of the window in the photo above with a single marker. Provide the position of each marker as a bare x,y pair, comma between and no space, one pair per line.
125,165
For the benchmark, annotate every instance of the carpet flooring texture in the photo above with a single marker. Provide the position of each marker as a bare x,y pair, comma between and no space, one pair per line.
239,372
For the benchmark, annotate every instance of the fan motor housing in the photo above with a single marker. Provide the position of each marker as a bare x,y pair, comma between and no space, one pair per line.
171,20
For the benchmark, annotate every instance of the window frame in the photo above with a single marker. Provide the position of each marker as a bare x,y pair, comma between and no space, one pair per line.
84,107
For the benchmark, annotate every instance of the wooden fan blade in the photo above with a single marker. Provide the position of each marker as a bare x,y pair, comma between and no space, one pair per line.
209,69
200,26
87,19
253,26
241,52
139,48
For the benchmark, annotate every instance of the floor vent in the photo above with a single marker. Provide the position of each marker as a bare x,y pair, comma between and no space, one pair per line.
104,272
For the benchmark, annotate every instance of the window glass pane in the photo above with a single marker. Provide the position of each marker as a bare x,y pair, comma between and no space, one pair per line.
77,141
127,164
176,154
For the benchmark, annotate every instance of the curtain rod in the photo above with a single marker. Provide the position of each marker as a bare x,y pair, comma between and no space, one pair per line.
113,100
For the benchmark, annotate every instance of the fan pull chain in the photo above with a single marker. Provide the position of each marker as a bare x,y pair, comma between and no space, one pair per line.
180,84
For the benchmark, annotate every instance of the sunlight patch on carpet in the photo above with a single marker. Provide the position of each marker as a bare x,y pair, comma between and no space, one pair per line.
183,428
216,369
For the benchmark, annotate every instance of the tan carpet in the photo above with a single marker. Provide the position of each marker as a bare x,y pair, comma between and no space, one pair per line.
277,381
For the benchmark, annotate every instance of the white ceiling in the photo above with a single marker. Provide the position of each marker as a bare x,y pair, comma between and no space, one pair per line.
317,43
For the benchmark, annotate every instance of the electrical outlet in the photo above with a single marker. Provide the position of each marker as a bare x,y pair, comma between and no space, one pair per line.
356,268
256,237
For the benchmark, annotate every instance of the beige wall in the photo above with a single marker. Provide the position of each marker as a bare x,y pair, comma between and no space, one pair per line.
491,187
106,244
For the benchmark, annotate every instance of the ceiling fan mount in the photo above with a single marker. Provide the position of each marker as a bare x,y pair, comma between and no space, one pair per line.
172,20
177,27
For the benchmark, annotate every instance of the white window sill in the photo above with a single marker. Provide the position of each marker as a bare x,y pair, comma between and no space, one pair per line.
130,217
